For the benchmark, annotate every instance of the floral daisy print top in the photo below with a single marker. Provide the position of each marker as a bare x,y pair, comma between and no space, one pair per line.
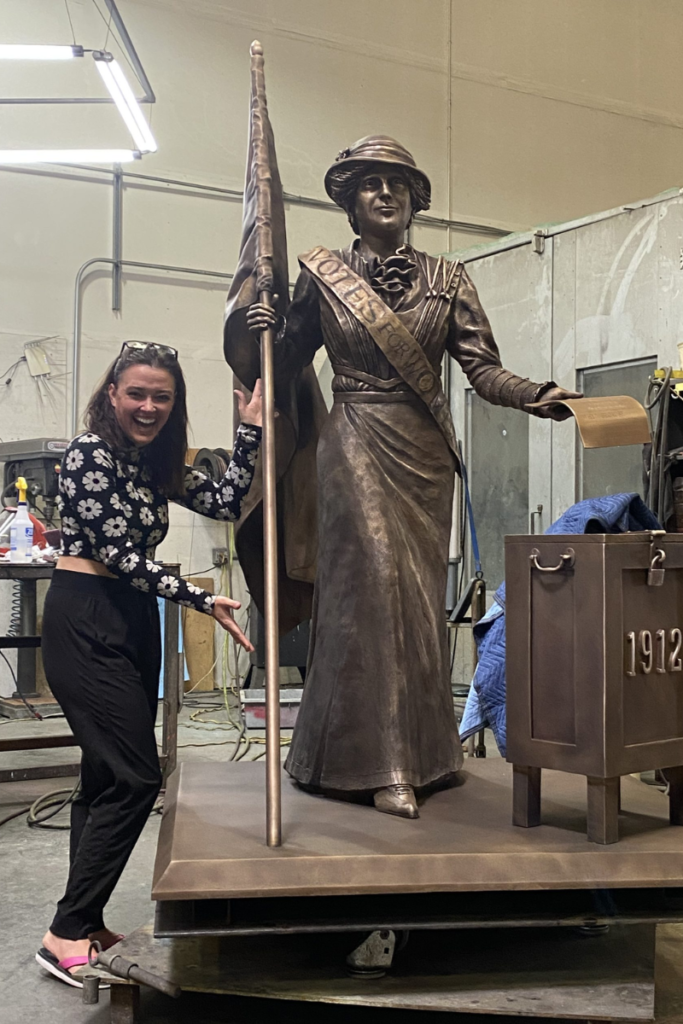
112,513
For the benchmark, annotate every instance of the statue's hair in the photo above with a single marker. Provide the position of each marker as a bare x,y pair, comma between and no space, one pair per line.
346,181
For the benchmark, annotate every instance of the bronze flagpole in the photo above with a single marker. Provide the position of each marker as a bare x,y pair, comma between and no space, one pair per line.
261,176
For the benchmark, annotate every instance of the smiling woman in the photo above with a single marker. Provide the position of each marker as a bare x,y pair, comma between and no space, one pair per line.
143,404
101,643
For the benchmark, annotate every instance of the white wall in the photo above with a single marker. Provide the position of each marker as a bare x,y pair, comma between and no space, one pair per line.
552,109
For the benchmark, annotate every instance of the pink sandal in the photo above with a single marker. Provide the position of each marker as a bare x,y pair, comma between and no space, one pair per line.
60,968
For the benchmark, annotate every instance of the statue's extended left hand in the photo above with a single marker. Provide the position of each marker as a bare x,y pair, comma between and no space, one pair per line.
556,412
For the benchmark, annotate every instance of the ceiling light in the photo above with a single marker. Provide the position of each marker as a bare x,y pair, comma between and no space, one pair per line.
68,156
30,52
124,98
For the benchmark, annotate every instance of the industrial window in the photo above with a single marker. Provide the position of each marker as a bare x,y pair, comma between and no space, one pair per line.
603,471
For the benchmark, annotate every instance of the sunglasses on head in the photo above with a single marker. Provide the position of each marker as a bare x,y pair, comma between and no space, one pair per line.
140,346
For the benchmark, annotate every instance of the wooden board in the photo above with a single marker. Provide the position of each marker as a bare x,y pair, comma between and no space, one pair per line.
199,639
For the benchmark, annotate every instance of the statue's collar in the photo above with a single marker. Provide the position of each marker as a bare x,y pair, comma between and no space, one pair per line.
393,275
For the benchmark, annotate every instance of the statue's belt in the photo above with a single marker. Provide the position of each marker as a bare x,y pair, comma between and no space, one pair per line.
387,331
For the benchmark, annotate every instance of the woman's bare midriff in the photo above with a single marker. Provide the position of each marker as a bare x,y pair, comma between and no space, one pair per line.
72,564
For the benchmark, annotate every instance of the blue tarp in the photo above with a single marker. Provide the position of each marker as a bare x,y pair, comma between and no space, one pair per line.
614,513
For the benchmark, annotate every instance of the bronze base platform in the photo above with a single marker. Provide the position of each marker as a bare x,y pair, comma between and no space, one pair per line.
212,841
615,976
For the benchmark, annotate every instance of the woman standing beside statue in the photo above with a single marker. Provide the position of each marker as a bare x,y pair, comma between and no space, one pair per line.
377,714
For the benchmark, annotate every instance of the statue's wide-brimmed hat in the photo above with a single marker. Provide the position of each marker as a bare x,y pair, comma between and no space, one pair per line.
371,150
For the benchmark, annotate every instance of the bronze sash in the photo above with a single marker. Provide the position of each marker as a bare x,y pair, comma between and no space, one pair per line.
387,331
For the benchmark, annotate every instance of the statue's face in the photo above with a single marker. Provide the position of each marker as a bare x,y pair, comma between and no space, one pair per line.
383,202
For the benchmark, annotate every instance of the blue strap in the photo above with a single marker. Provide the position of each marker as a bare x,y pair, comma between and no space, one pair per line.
470,516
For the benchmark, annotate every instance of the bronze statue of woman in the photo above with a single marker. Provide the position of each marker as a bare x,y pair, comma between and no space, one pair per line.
377,714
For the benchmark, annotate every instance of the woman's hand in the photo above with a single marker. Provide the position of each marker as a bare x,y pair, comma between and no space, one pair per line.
223,614
251,412
556,412
260,317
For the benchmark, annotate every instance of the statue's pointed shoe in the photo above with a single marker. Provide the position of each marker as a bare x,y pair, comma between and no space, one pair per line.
397,800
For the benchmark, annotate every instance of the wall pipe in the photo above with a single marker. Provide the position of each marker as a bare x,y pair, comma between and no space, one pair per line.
117,239
295,200
78,287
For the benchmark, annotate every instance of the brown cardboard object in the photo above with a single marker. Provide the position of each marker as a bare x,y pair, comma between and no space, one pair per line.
608,422
198,638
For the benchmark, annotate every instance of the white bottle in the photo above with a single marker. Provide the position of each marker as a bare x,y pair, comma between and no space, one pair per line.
21,530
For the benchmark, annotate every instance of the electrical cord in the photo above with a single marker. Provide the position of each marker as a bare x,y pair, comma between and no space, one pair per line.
45,807
49,805
463,536
11,370
232,676
34,713
40,813
656,481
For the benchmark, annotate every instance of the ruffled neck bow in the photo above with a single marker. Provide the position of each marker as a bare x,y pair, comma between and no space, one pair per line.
392,276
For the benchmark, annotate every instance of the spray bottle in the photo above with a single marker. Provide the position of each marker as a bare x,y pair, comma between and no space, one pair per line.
21,531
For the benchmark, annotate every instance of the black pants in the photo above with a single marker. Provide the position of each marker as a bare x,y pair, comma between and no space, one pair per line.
102,653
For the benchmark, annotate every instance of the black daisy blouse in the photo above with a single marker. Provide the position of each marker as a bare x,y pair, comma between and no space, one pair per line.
112,513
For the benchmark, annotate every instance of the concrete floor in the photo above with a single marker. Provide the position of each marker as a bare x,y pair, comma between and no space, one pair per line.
33,865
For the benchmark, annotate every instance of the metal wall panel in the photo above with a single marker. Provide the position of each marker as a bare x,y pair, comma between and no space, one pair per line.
604,291
498,445
509,473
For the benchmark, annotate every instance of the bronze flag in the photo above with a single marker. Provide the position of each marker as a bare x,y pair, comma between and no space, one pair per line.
262,266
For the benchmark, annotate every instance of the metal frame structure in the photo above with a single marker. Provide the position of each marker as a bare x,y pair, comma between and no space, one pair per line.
131,53
537,236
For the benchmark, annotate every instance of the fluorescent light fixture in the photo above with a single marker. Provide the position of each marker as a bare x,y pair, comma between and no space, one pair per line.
30,52
68,156
124,98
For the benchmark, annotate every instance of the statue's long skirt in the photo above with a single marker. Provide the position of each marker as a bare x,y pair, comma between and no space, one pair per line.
377,707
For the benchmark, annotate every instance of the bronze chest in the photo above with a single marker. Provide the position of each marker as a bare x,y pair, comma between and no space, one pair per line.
594,665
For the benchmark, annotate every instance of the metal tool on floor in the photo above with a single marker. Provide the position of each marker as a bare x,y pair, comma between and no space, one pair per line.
121,968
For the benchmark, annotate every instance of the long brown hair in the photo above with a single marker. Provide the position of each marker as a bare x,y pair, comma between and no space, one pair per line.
165,455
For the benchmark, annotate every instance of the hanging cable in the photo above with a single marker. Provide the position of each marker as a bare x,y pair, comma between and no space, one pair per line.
655,490
14,628
122,49
68,14
34,713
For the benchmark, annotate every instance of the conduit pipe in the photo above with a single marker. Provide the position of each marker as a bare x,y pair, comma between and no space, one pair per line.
294,200
78,288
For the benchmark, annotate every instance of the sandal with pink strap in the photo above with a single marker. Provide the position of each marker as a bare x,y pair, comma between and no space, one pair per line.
60,968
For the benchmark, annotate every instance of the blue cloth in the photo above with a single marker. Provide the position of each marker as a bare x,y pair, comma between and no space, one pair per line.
613,513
